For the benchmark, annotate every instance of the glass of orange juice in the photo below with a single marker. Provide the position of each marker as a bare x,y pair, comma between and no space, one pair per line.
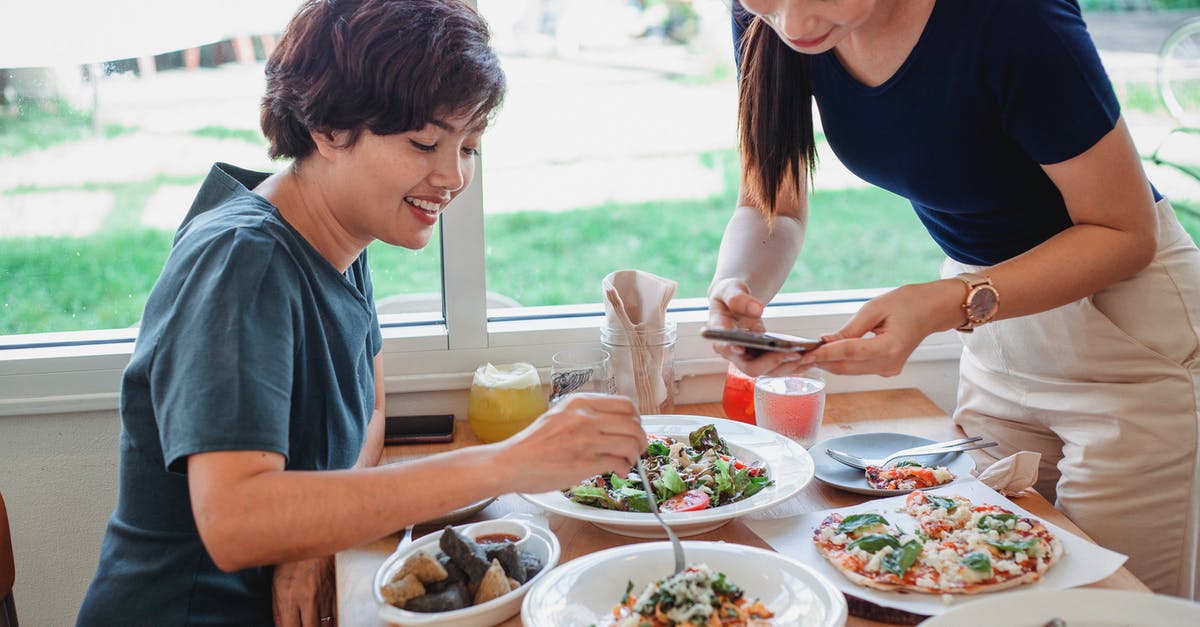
738,396
504,399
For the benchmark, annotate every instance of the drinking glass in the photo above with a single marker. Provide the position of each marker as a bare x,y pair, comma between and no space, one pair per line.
792,405
580,370
738,396
504,399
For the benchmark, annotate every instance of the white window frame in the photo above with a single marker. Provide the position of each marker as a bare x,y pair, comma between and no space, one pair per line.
52,373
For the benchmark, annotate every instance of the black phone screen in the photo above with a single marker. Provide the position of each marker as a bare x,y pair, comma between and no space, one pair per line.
418,429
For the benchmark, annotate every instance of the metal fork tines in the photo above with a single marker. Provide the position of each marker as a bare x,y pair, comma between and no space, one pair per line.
953,446
680,564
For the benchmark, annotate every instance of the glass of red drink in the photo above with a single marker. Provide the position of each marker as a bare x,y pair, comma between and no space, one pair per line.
792,405
738,397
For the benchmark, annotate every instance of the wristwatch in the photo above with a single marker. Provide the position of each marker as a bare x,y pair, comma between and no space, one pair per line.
981,302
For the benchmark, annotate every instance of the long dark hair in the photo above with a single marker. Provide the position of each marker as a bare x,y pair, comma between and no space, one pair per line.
775,117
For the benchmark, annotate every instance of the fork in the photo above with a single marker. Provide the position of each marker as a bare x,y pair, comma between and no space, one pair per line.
680,563
952,446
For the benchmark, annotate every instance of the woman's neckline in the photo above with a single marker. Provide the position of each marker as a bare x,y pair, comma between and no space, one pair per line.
900,68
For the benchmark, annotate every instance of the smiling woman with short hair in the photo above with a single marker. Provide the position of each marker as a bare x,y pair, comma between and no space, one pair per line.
252,408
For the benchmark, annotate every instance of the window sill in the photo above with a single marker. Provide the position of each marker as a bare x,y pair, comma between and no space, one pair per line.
80,372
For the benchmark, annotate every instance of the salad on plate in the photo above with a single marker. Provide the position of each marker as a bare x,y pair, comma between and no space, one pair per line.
695,475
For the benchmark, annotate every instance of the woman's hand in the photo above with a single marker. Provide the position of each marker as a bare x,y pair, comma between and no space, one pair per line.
581,436
303,593
730,306
882,335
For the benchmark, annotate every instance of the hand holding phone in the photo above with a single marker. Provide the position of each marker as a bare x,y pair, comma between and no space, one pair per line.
757,342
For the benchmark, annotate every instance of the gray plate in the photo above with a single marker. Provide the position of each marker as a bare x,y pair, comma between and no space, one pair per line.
456,515
878,445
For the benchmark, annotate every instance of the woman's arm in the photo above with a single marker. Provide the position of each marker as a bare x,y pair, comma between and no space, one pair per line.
1113,237
754,261
250,511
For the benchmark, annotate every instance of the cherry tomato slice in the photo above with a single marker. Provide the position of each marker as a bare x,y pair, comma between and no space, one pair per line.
689,501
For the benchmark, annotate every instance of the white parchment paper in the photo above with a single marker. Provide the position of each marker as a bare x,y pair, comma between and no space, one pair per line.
1082,563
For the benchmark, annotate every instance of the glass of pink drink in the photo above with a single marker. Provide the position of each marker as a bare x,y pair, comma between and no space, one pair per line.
792,405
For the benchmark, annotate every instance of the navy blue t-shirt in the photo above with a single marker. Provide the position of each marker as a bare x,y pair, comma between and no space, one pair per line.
250,340
993,90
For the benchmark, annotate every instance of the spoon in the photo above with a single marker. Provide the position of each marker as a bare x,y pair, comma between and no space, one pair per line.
680,563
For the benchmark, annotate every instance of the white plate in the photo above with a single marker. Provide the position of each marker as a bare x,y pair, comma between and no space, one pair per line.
542,543
878,445
584,590
1081,607
787,463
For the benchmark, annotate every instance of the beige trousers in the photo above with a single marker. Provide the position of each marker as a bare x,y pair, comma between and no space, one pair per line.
1107,389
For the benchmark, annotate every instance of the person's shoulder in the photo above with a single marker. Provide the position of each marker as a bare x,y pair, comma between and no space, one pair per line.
1025,14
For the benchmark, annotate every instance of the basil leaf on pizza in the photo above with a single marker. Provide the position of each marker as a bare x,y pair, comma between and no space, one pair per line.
997,522
872,542
900,560
1014,546
978,561
854,522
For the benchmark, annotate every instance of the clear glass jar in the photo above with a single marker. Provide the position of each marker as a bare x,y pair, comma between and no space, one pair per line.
643,364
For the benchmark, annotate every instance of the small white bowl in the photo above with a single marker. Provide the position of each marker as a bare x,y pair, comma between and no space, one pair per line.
510,527
539,541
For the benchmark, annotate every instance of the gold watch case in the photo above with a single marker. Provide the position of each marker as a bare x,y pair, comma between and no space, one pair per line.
981,302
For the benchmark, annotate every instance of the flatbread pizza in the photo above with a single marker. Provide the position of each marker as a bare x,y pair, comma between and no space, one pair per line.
956,548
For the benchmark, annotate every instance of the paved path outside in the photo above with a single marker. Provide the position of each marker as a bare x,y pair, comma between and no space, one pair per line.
602,126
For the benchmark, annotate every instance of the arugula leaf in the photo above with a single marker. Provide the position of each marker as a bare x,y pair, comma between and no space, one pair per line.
617,482
741,480
942,502
628,589
1012,546
722,476
907,463
978,561
669,482
900,560
872,542
635,499
756,485
659,448
999,522
706,438
855,522
592,495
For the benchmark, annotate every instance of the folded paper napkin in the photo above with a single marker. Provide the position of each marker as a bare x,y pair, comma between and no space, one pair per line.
1012,474
635,302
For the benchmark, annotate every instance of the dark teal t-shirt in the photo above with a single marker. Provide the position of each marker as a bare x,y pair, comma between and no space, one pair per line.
250,340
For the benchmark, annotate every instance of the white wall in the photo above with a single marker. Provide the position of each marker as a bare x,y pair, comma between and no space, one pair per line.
58,474
59,479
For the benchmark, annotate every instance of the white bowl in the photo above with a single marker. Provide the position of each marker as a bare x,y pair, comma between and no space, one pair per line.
584,590
518,529
540,541
787,463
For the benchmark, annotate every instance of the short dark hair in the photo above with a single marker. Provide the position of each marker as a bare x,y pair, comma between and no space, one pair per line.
387,66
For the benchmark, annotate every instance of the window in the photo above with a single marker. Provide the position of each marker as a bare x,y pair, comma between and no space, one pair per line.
615,149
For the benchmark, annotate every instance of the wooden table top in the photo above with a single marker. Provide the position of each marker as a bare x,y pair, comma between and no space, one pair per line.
899,411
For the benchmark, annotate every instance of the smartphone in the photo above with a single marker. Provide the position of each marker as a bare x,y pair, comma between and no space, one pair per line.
761,341
418,429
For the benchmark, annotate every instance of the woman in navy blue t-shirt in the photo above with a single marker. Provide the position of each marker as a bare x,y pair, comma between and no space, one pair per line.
1077,292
